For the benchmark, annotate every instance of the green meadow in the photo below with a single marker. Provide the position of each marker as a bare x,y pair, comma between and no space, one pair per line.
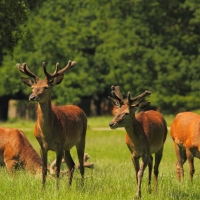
113,176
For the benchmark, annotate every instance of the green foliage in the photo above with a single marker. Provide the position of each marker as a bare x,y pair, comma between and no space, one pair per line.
13,17
134,44
12,14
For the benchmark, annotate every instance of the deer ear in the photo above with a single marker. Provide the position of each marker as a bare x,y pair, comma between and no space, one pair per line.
115,102
134,105
57,80
27,81
140,105
144,104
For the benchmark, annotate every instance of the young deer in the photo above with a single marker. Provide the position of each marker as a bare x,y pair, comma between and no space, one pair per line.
146,133
58,128
185,132
17,152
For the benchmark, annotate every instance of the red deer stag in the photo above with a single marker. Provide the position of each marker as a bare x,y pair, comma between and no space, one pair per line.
17,152
146,133
58,128
185,132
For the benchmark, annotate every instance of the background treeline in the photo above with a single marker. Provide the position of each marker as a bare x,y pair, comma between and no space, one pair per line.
137,44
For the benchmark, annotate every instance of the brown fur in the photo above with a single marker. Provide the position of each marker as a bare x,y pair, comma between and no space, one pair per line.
17,152
185,132
58,128
65,128
146,134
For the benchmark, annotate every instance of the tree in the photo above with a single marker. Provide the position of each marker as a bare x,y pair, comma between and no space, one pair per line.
138,45
156,43
13,17
58,45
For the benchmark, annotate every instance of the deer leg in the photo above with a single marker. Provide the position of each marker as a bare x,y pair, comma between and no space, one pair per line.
181,158
158,157
190,159
136,165
9,158
145,161
58,163
53,164
43,153
10,164
70,164
135,160
150,172
80,151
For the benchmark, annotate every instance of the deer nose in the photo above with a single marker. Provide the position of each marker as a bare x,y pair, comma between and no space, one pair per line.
111,124
32,97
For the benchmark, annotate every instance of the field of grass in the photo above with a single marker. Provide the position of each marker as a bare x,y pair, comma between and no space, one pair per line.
113,176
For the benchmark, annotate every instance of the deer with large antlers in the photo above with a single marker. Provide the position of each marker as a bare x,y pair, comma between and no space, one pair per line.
57,128
146,133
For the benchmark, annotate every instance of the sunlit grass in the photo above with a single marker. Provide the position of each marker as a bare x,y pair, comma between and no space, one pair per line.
113,176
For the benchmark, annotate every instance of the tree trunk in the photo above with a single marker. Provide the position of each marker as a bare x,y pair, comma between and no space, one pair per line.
85,105
4,108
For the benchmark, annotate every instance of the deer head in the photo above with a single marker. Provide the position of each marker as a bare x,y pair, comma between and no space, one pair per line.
125,111
41,89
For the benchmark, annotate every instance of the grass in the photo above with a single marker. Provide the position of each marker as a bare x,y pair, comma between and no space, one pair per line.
113,176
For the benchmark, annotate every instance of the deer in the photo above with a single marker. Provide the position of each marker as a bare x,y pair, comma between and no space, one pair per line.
57,128
145,133
16,152
185,132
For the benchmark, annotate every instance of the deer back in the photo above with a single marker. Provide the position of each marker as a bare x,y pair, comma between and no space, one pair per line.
153,125
185,129
152,130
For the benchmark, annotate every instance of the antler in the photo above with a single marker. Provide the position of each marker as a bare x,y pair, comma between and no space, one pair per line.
25,70
131,100
117,94
56,72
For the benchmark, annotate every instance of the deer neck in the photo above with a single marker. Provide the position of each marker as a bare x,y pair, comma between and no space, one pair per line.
32,162
44,114
131,128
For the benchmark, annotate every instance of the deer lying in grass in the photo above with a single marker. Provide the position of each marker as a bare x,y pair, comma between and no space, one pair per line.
146,133
17,152
185,132
58,128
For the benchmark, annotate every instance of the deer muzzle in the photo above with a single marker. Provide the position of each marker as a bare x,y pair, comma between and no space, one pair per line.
113,125
33,98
